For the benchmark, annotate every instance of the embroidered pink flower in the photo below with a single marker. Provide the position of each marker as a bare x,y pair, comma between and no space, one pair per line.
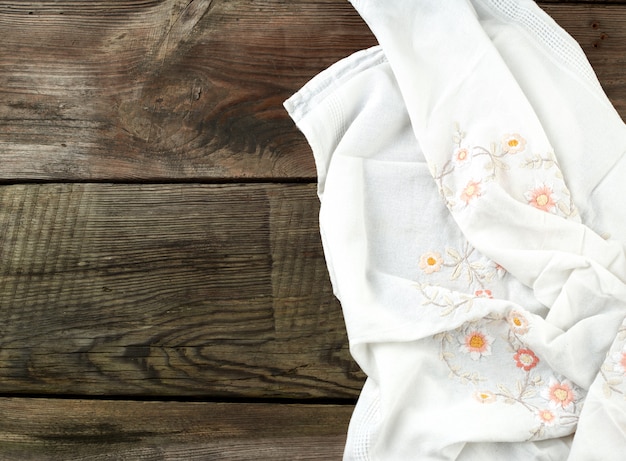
546,417
513,143
477,344
517,322
619,361
483,294
431,262
461,156
560,393
526,359
471,191
485,396
541,197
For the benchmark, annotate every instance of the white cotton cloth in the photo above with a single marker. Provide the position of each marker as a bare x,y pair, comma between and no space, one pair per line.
473,221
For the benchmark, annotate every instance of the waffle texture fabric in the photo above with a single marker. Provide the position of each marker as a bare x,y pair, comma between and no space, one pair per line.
470,173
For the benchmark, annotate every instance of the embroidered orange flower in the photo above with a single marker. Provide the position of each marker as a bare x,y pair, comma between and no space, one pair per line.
546,417
471,191
461,156
477,344
560,393
513,143
517,322
541,197
483,294
431,262
526,359
485,396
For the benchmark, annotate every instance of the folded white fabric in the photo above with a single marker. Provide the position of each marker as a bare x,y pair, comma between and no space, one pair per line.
473,221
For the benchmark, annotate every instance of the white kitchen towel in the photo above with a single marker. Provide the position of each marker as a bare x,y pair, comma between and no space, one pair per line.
473,221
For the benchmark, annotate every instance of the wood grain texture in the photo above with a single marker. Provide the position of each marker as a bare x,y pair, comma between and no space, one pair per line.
193,89
48,429
162,89
184,290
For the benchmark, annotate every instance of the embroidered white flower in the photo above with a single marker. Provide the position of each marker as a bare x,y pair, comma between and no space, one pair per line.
517,322
485,396
477,344
431,262
546,417
513,143
560,394
461,156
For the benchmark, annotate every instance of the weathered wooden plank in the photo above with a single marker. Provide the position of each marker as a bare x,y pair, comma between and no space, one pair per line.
162,89
153,89
48,429
168,290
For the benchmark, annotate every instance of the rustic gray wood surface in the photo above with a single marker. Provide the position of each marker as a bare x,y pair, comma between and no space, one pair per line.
158,226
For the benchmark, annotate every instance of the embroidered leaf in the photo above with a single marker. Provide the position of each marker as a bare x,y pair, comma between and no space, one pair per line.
505,391
447,311
528,393
607,390
453,254
457,272
500,164
563,208
447,355
607,367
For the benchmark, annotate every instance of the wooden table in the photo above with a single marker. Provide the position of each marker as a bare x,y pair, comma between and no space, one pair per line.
163,292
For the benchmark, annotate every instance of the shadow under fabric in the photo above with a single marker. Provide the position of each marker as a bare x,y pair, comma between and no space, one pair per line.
472,215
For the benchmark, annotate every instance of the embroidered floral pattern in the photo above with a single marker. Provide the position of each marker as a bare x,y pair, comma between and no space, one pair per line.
560,393
471,191
551,400
485,164
466,264
477,344
485,396
461,156
525,359
546,417
431,262
513,143
517,322
613,370
542,198
493,355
